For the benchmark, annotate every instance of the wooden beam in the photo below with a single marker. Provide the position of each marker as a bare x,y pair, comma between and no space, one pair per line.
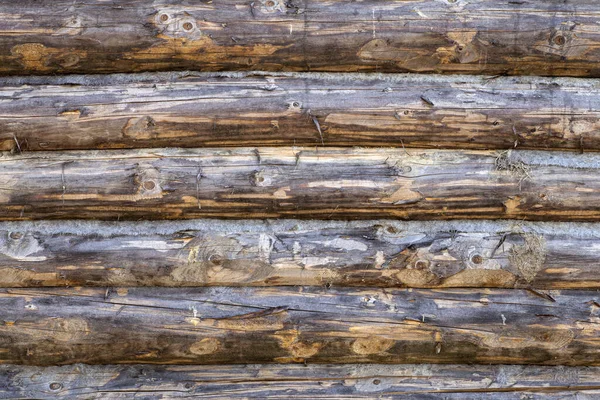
297,324
292,252
193,110
412,381
300,183
539,38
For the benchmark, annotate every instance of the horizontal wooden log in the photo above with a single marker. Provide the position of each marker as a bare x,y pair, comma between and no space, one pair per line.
192,110
293,252
300,182
298,324
423,381
524,37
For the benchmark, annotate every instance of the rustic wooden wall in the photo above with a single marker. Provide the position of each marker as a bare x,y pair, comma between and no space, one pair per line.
242,288
231,109
452,36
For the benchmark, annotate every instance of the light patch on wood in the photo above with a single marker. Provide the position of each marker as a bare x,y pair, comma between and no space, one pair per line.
403,195
37,57
346,244
289,340
372,345
205,346
549,338
19,277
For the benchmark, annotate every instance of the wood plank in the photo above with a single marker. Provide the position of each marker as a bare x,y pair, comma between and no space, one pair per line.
487,36
422,381
293,252
300,183
193,110
298,324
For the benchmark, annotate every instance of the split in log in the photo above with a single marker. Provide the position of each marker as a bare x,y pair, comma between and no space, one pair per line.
183,110
304,324
293,252
300,183
455,36
424,381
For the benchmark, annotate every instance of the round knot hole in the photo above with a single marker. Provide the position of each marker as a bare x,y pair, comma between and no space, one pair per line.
188,26
477,259
149,185
56,386
15,235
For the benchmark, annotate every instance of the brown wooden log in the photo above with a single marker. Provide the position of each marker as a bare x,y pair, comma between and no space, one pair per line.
183,110
292,252
422,381
487,36
302,324
300,182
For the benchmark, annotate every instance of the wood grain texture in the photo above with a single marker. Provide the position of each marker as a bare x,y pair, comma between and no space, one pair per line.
293,252
487,36
193,110
304,324
300,183
425,381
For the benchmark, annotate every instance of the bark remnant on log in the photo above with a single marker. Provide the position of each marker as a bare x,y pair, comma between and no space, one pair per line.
305,324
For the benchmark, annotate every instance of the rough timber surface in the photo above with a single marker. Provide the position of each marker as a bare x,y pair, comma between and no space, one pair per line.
308,183
412,381
456,36
226,325
293,252
256,109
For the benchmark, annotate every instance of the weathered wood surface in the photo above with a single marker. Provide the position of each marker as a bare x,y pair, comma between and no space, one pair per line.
294,252
300,182
487,36
304,324
183,110
425,381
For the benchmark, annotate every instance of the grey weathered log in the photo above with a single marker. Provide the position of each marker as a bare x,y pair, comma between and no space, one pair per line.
294,252
300,183
417,381
192,110
298,324
486,36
